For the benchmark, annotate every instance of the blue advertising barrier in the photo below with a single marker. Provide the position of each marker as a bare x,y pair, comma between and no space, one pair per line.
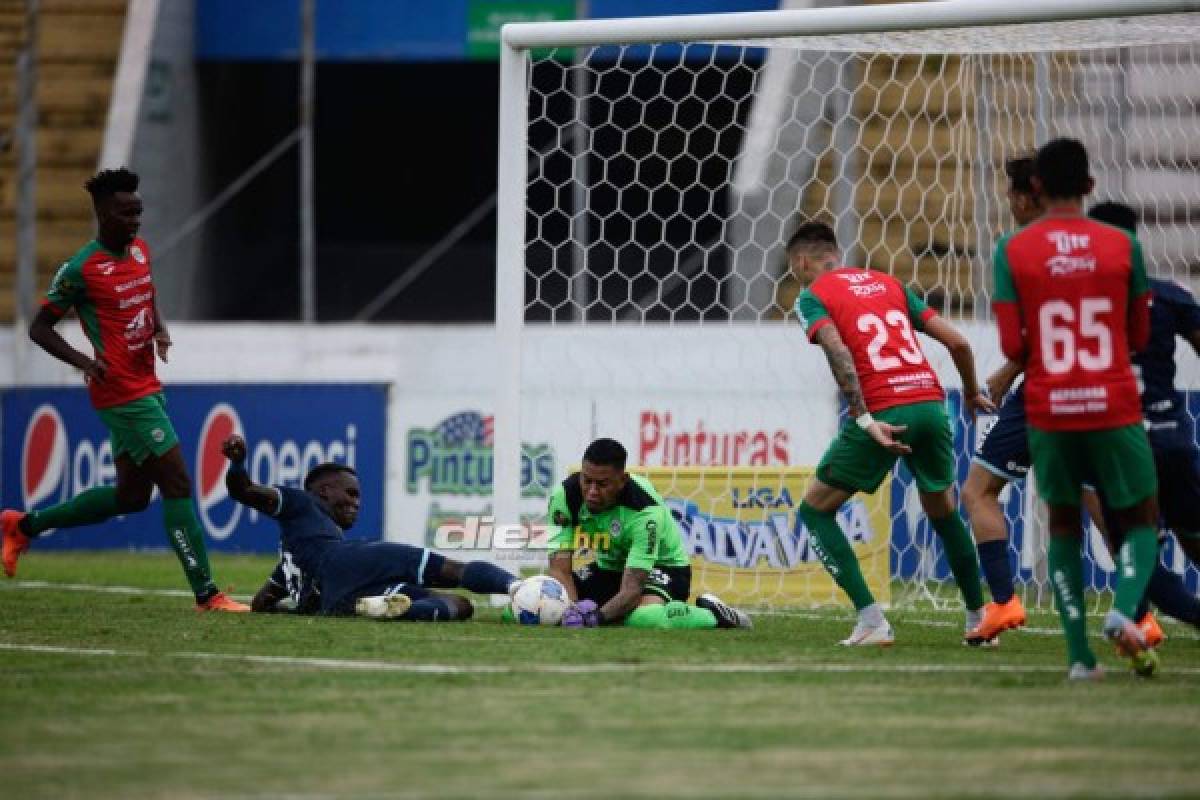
55,446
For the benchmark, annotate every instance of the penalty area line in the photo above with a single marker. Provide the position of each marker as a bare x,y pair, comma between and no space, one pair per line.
344,665
102,589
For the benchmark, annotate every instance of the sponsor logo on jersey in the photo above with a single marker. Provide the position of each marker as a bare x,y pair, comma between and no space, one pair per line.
1069,259
455,457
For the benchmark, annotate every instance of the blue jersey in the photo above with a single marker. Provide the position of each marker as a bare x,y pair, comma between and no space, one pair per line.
1174,312
300,587
306,531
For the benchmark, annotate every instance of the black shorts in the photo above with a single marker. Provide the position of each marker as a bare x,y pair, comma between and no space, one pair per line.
601,585
1178,489
355,570
1004,450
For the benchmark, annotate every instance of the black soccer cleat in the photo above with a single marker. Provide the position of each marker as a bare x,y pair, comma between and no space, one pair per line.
727,616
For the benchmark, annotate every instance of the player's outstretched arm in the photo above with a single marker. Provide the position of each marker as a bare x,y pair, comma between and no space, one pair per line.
267,598
237,480
841,364
42,332
964,361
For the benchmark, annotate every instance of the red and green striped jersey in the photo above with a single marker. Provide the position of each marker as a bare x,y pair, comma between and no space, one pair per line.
876,317
114,297
1071,298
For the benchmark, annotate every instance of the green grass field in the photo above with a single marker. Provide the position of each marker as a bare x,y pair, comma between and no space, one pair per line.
133,695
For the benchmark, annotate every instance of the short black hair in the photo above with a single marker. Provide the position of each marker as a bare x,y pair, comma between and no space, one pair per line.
1062,167
1116,214
606,453
813,233
1019,171
107,182
328,468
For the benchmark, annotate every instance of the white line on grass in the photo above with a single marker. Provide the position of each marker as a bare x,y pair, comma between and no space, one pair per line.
90,587
1177,630
554,669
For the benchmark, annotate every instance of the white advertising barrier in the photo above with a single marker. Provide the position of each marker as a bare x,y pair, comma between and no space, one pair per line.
700,396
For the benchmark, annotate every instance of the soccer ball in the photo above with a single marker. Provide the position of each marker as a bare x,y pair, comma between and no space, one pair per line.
540,600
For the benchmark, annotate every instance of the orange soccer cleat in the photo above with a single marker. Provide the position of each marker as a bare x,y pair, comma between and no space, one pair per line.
1152,632
15,542
997,618
222,602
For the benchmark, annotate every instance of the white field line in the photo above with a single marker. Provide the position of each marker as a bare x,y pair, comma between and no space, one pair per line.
89,587
554,669
1176,630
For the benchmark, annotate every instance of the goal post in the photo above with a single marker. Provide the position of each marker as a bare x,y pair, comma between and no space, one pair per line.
651,168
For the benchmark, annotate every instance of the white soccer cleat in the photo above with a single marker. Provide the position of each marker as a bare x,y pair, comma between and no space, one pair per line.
865,635
1079,672
384,606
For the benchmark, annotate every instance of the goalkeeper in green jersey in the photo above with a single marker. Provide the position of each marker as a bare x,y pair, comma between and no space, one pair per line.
641,576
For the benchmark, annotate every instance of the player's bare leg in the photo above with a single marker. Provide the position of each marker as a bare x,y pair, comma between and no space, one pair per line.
981,497
818,511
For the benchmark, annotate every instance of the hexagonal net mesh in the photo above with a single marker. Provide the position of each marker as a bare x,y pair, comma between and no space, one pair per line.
662,182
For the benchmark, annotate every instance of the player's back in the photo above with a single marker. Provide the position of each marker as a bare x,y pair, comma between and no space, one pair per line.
877,319
1074,279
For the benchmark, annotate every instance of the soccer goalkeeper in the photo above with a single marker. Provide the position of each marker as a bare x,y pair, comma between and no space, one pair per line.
641,577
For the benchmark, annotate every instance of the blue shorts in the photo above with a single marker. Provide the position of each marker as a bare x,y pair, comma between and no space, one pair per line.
1004,451
366,569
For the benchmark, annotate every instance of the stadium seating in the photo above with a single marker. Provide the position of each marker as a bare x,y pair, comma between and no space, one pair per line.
78,45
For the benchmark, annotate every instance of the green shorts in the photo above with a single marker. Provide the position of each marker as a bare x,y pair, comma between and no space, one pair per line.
856,463
140,428
1118,461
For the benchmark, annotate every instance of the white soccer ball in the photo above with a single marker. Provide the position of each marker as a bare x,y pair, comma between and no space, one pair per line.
540,600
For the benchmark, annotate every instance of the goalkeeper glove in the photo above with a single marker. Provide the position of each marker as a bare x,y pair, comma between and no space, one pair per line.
583,614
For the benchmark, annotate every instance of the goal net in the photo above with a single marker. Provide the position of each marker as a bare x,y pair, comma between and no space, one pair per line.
651,171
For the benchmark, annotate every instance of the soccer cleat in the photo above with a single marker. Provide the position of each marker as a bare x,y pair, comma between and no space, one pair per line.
222,602
1079,672
1152,632
15,542
1128,638
997,618
727,616
865,635
384,606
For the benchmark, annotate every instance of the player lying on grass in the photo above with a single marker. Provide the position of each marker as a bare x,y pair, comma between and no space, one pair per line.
641,577
865,321
1071,302
326,573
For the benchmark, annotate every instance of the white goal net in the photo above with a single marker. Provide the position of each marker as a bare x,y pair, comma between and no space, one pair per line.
651,174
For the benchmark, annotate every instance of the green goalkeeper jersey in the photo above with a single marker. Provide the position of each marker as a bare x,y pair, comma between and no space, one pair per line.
636,533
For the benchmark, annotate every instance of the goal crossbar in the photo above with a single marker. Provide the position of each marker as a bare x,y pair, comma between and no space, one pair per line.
826,21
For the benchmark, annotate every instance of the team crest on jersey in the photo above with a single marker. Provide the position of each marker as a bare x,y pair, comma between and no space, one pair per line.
615,528
107,267
138,254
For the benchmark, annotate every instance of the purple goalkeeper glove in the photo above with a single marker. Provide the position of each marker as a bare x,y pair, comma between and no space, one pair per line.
583,614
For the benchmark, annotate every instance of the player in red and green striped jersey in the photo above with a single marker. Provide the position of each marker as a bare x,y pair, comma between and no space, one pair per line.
110,286
866,322
1072,301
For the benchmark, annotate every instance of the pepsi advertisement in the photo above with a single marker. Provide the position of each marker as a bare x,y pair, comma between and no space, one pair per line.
55,447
